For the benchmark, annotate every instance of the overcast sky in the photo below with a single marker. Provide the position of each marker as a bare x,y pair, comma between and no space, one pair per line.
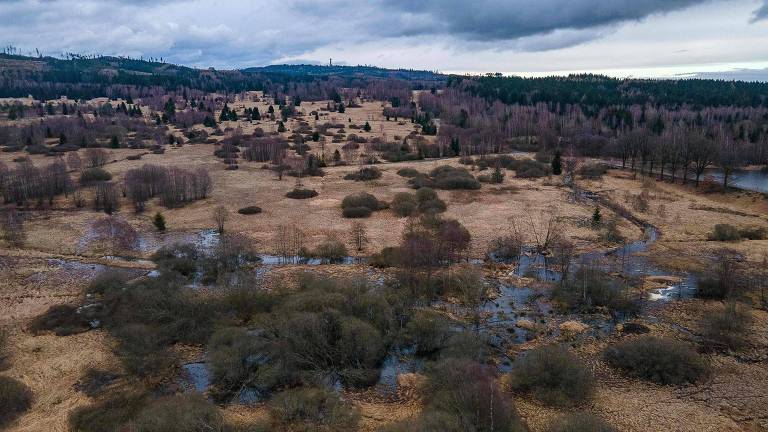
716,38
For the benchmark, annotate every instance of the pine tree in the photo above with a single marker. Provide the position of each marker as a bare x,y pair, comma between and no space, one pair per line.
170,108
280,127
224,113
557,163
336,156
596,217
497,176
367,127
159,221
256,115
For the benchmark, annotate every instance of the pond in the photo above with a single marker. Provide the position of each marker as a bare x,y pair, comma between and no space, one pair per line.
751,180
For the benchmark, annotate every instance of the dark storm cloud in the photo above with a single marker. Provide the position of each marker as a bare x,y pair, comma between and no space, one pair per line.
252,32
760,75
761,13
512,19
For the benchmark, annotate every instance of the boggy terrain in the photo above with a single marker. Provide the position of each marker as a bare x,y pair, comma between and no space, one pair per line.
480,291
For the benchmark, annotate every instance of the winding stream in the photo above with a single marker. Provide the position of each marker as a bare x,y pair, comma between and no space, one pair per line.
514,306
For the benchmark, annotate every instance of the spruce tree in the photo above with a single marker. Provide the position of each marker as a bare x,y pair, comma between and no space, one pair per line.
497,176
557,163
159,221
596,217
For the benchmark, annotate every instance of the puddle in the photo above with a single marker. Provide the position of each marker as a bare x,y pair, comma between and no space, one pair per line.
196,376
398,362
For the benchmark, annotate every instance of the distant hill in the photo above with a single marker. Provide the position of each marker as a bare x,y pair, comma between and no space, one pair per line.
88,77
348,72
85,77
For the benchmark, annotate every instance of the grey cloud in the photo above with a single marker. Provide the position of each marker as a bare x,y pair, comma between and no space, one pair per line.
505,19
255,32
761,13
734,75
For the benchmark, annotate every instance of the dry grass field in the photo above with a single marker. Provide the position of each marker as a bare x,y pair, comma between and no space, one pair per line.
60,256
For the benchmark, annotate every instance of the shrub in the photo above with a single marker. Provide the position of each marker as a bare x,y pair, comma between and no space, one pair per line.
432,206
663,361
428,331
331,250
429,202
93,382
528,168
313,409
250,210
159,222
448,177
725,232
5,353
133,157
62,320
15,399
111,414
728,327
106,282
506,248
464,395
364,174
407,172
181,413
581,422
593,170
299,193
360,205
753,233
93,175
141,349
179,258
426,194
229,350
356,212
553,375
404,204
388,257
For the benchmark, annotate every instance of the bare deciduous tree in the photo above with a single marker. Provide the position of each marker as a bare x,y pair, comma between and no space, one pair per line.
12,225
359,236
220,216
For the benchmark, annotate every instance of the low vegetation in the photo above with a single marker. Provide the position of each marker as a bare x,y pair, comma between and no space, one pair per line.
61,320
424,201
663,361
728,327
528,168
364,174
93,175
445,177
580,422
300,193
312,409
727,232
250,210
15,399
553,375
463,395
361,205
